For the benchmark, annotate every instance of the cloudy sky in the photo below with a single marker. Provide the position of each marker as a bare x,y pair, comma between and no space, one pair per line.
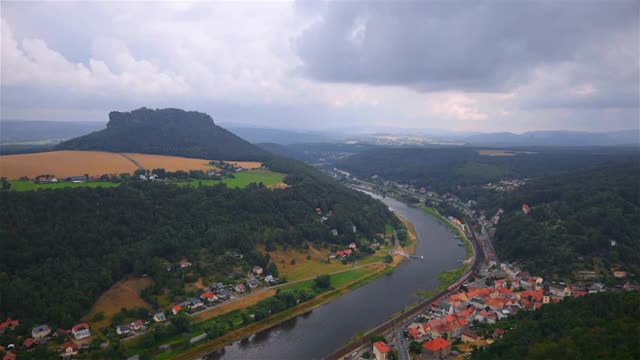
469,65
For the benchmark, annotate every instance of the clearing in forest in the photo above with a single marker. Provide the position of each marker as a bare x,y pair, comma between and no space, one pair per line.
124,293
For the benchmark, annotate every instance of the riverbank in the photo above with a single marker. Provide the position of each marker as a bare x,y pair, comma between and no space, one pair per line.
342,283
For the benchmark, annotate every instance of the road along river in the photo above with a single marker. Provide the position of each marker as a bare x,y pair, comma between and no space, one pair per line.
318,333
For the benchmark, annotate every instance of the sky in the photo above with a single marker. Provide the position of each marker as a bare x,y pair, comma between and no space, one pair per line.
460,65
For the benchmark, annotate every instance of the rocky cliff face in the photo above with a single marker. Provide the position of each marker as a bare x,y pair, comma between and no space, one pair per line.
166,118
167,132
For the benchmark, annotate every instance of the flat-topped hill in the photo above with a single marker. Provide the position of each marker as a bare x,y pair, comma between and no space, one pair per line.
166,132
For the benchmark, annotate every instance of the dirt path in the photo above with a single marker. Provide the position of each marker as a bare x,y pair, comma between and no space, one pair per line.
134,161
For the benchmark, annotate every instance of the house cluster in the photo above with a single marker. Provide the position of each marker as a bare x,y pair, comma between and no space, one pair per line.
343,254
41,334
136,326
325,216
452,318
219,292
505,185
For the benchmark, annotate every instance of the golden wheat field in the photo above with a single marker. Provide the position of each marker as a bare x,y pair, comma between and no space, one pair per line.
69,163
64,163
170,163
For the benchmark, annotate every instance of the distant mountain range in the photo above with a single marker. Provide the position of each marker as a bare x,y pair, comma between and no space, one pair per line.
167,132
557,138
279,136
22,131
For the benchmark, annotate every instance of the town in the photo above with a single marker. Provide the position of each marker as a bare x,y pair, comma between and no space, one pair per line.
464,318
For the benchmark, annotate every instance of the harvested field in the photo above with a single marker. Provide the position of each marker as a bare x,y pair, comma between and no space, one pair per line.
64,163
170,163
124,293
246,164
303,267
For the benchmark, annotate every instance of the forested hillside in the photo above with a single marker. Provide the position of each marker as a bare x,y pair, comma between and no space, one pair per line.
445,168
167,132
60,249
573,218
598,326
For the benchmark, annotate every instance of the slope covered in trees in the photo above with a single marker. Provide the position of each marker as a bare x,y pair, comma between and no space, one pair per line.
445,169
573,218
60,249
598,326
167,132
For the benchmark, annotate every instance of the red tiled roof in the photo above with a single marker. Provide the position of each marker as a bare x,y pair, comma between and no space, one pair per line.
138,323
29,342
381,346
9,356
176,308
80,327
413,332
436,344
9,322
348,252
208,295
339,252
69,344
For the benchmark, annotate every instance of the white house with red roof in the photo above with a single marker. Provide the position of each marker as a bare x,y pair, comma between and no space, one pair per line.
184,263
176,309
69,349
208,296
81,331
137,325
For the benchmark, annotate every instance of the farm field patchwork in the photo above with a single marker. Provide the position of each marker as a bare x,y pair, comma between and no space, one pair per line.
64,163
246,164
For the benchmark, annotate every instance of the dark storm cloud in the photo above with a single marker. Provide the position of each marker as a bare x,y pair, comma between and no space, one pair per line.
472,46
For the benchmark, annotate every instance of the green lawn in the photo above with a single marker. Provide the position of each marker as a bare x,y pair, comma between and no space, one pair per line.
26,185
242,179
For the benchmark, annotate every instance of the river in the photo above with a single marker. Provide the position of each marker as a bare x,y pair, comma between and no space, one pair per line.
320,332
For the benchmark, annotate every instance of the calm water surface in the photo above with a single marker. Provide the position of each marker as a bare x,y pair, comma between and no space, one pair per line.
320,332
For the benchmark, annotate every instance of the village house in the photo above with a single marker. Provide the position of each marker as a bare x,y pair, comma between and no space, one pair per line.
257,270
122,329
269,279
223,294
352,246
29,343
240,288
159,317
380,350
469,336
81,331
184,263
8,324
208,296
40,332
76,179
68,350
192,304
438,348
137,325
176,309
252,283
9,356
525,209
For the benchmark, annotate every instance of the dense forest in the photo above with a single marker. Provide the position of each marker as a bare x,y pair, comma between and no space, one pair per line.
573,218
60,249
444,169
167,132
598,326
